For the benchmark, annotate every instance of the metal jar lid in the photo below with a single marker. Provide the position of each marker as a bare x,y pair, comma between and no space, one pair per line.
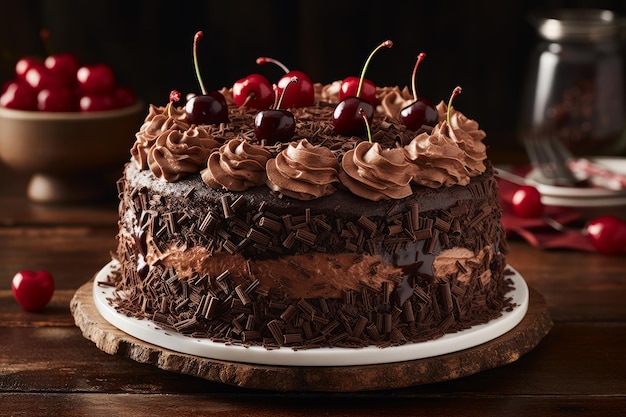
577,24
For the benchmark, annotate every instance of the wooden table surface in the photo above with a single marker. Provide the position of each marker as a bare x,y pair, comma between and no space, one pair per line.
48,368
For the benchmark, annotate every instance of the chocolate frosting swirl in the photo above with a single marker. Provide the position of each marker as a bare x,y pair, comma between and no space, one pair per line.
374,173
237,166
176,153
469,137
303,171
436,159
448,155
158,121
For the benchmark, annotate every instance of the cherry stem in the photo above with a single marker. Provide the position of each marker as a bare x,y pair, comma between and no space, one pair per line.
367,124
196,39
280,100
420,58
456,92
44,34
385,44
263,60
174,97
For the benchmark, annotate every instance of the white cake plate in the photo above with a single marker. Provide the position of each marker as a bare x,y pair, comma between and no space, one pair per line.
149,332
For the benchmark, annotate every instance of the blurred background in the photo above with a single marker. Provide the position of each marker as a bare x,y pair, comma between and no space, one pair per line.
481,45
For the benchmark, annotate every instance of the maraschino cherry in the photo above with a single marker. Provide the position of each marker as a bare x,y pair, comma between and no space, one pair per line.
347,118
208,108
254,91
422,111
276,125
300,95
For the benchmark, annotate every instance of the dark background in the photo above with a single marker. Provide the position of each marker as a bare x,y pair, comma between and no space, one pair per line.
482,45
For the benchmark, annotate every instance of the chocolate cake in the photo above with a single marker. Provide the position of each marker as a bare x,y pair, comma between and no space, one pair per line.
325,240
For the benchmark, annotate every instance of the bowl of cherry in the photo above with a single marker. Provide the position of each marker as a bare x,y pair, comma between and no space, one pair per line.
67,125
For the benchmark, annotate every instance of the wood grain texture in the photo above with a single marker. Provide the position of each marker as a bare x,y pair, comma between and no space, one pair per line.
503,350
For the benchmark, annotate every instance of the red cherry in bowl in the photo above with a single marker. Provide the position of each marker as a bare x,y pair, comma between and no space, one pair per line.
350,85
422,111
607,234
124,97
32,290
254,91
63,66
95,79
60,99
96,102
24,64
526,202
347,117
300,95
39,77
19,96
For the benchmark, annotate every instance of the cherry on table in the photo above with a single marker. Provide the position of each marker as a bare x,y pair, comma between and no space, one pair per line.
607,234
526,202
32,290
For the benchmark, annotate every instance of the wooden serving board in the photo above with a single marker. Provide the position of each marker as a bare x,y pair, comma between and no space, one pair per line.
497,352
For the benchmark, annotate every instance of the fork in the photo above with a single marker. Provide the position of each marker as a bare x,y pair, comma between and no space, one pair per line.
551,158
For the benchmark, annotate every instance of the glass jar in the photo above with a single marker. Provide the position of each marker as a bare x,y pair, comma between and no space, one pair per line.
575,83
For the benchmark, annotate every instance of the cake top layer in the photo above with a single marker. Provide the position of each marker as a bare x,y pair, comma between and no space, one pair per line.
316,160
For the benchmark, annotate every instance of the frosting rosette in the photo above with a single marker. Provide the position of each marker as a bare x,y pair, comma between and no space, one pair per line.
436,159
374,173
469,137
176,153
158,121
236,166
303,171
449,154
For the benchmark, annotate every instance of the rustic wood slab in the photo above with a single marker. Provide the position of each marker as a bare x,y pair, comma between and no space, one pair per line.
498,352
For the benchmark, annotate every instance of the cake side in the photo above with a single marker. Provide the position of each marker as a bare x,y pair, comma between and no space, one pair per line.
192,257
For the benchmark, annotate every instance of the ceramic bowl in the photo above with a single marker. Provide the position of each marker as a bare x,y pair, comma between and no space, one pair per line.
70,156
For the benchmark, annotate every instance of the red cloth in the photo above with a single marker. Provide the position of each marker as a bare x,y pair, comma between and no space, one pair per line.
539,233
